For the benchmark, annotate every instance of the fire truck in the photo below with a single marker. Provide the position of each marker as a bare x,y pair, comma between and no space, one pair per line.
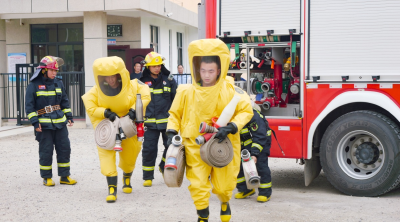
326,74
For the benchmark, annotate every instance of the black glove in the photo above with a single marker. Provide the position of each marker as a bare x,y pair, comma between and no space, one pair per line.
132,114
225,130
110,115
170,133
254,151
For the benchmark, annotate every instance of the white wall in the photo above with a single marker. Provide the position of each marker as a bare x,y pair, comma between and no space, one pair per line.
189,34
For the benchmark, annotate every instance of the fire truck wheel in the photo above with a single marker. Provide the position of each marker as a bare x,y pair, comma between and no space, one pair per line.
359,154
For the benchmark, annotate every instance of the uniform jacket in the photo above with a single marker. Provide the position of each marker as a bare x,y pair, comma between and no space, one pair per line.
256,135
162,94
43,92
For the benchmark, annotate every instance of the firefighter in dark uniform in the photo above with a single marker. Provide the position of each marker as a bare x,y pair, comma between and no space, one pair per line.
163,90
48,109
256,138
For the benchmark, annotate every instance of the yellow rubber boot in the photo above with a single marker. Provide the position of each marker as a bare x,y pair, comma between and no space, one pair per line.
48,182
242,195
147,183
67,180
112,189
126,179
225,212
263,199
203,215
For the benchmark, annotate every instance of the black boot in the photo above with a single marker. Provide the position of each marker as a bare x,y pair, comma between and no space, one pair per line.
127,188
112,189
225,212
203,215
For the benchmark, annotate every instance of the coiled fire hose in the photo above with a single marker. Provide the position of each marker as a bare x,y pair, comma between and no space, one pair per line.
128,126
175,163
106,131
217,154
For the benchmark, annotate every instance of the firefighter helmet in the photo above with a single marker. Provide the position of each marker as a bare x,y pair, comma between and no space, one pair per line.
51,62
153,59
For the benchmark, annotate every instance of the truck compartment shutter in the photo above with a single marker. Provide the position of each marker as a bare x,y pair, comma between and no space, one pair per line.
257,16
354,38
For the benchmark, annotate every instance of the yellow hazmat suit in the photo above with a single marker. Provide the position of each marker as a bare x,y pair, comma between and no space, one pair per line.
96,102
194,104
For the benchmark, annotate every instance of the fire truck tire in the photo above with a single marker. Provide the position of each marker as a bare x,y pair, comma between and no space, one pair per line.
359,154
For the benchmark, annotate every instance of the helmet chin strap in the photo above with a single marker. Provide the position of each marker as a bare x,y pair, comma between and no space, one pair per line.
44,71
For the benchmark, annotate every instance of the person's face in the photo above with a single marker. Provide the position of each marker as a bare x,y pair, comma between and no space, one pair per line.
137,68
209,73
155,69
112,81
180,69
51,73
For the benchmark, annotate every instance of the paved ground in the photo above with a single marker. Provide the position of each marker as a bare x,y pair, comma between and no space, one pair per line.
24,198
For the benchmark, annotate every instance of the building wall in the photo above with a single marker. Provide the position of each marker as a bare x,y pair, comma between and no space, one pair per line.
188,4
131,31
189,34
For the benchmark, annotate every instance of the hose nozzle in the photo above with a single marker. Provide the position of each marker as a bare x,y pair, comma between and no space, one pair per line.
117,146
177,140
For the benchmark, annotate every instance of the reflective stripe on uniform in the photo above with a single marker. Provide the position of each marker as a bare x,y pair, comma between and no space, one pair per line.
46,93
154,120
241,180
167,89
244,130
258,146
269,133
156,91
262,117
58,90
265,185
45,167
150,120
162,121
163,159
66,110
48,120
63,164
147,168
32,114
247,142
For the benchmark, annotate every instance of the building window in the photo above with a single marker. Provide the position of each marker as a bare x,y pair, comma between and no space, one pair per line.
179,45
154,38
61,40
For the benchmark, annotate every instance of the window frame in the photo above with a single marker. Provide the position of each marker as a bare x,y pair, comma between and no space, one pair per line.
56,44
179,46
155,45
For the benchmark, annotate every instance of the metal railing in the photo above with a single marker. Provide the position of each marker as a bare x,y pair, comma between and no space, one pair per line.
74,84
183,78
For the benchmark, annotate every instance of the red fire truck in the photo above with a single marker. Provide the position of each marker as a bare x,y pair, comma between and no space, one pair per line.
326,74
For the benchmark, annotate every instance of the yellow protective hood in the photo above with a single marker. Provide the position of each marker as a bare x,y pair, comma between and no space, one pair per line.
96,101
109,66
208,47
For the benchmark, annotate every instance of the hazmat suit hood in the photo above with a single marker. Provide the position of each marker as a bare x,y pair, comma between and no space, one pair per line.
107,67
208,47
206,96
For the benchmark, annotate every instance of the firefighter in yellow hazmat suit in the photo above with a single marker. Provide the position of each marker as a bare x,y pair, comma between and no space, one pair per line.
208,95
115,95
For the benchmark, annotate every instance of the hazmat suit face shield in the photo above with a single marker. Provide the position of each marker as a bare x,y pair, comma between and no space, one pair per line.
206,70
110,85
